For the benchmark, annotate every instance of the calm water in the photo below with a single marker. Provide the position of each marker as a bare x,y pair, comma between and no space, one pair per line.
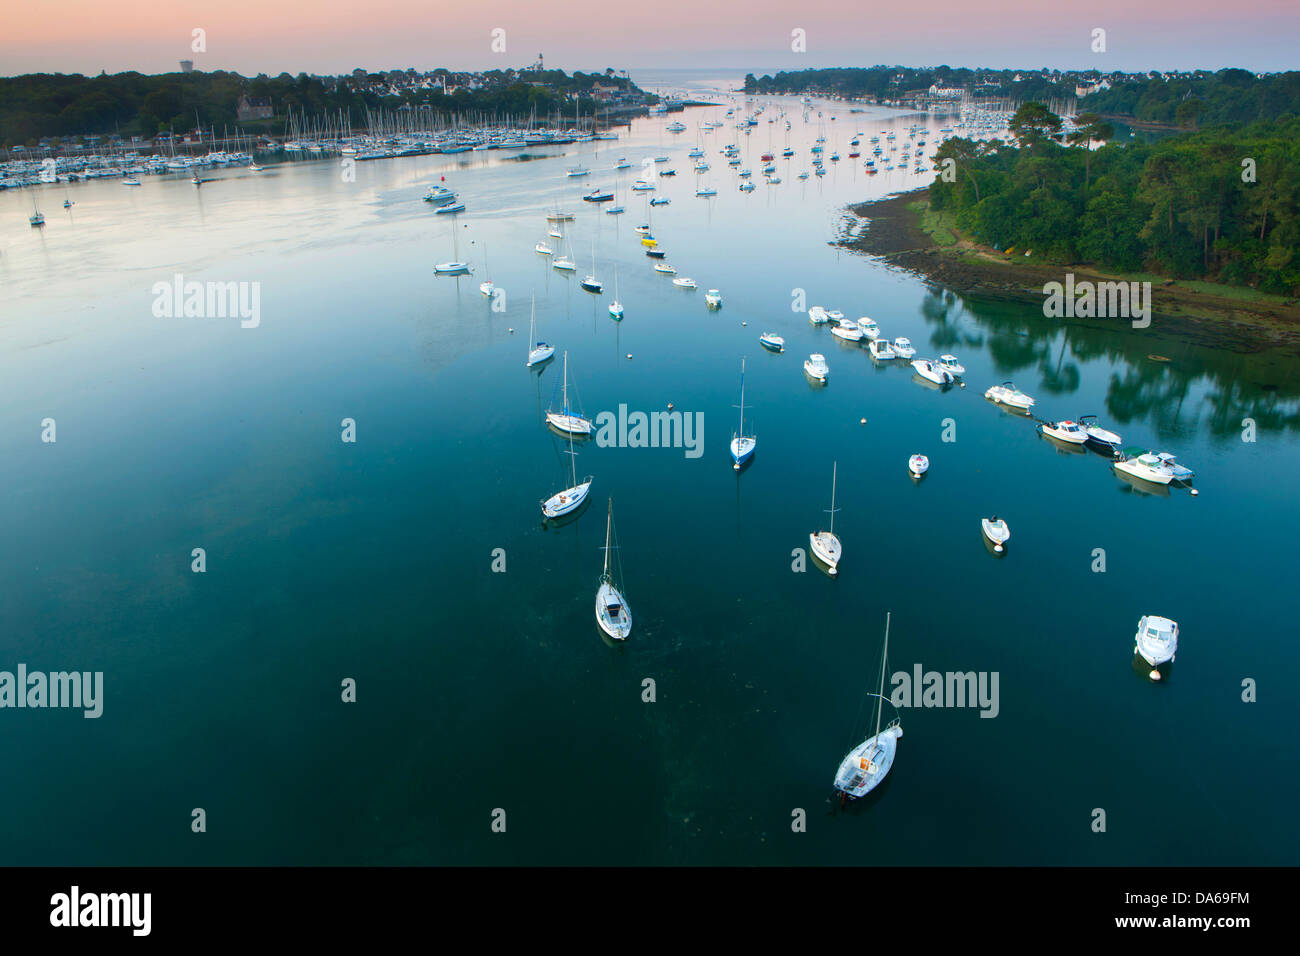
481,690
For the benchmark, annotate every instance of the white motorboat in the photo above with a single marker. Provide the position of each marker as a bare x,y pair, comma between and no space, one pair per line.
847,330
1180,473
742,445
746,187
575,171
918,465
538,351
997,531
1008,394
1148,466
612,613
1066,431
932,372
440,196
825,546
1156,641
713,299
770,340
867,764
817,315
950,365
566,419
665,268
881,350
131,181
903,347
816,367
1098,435
835,315
869,328
685,283
452,210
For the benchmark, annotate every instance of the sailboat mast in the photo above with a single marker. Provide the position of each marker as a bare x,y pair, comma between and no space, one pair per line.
834,472
609,524
742,402
880,701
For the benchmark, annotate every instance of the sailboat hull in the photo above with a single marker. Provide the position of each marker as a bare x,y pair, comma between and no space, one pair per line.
742,449
867,764
566,501
612,612
572,424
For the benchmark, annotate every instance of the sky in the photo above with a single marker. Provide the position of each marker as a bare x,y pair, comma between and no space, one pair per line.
336,36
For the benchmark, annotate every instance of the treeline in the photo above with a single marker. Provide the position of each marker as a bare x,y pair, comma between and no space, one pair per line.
1203,99
883,81
1221,204
41,105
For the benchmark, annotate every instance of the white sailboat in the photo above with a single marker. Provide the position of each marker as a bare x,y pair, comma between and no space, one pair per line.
825,546
487,287
455,267
562,261
742,445
565,420
570,499
612,613
538,351
616,307
867,764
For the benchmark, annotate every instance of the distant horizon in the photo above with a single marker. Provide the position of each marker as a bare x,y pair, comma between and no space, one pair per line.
335,36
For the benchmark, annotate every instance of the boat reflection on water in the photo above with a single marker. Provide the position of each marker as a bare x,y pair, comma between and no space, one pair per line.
1133,483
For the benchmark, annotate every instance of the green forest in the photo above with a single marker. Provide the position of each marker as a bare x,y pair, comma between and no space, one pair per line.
1219,204
1204,99
883,81
44,105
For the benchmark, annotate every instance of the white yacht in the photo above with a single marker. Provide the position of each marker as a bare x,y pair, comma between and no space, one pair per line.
825,546
847,330
770,340
665,269
903,347
881,350
685,283
713,299
867,764
817,315
931,371
1147,466
1008,394
1156,641
918,465
1066,431
1098,435
950,365
816,367
566,420
612,613
997,531
577,171
869,328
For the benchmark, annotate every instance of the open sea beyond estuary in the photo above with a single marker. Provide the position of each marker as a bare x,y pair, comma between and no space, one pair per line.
481,689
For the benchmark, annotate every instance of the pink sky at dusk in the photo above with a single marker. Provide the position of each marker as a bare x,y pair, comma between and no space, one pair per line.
334,36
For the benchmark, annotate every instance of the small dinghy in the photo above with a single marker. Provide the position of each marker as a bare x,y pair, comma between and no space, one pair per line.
1007,394
770,340
1156,641
997,531
918,465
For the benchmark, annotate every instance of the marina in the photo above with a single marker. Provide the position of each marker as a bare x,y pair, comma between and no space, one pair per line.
373,558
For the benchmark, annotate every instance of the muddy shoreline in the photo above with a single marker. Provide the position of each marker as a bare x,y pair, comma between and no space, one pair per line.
890,229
